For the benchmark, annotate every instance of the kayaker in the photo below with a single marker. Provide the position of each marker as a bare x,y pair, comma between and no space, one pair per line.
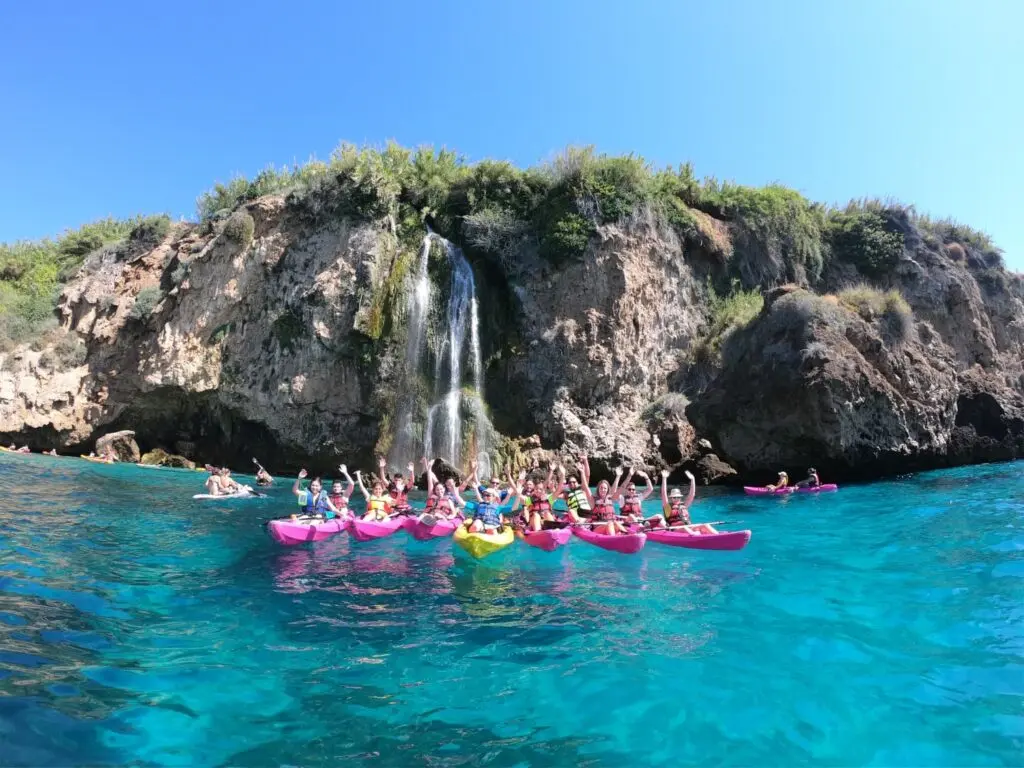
782,482
676,510
378,503
23,449
398,487
262,476
486,517
811,481
577,493
535,502
603,515
315,502
51,452
340,496
438,507
631,502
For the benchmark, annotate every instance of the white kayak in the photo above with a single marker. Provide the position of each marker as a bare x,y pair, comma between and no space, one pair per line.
245,493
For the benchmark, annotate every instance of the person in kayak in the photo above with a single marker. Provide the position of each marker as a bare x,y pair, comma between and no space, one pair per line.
379,503
603,503
398,487
340,496
675,510
811,481
315,502
535,502
782,482
262,476
630,501
577,493
487,516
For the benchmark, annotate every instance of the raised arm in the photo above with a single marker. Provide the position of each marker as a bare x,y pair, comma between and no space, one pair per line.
467,476
693,489
295,486
615,485
362,486
664,488
429,472
585,469
412,476
517,492
586,485
382,467
650,486
550,477
624,484
351,483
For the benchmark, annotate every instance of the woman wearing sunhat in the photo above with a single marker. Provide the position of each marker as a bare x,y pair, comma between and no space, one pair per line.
675,510
782,482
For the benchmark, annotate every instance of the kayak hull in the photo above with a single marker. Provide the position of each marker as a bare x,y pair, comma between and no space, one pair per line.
752,490
366,530
423,532
624,544
703,537
824,488
548,540
291,532
239,495
480,545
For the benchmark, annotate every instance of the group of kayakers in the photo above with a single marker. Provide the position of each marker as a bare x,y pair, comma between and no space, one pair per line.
526,503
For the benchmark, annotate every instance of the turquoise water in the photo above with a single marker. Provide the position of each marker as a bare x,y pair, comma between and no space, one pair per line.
883,625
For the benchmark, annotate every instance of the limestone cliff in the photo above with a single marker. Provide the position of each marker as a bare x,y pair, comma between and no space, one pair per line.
278,328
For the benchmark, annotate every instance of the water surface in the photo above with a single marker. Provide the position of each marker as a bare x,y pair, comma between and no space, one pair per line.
881,625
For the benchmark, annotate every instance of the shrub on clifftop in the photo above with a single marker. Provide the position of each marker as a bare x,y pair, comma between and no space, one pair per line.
889,309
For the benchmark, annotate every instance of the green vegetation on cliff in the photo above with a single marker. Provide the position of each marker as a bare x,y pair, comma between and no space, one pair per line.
755,237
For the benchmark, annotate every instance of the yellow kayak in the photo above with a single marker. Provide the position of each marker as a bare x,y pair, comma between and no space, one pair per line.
95,459
481,545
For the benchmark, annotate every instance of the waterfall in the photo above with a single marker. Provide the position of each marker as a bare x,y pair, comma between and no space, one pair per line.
455,406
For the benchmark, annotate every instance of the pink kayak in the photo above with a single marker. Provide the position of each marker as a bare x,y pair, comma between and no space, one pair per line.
423,532
752,490
287,531
701,537
818,488
624,543
549,540
366,530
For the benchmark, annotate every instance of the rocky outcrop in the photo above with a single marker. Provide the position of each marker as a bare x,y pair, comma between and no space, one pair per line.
122,444
279,333
830,391
158,457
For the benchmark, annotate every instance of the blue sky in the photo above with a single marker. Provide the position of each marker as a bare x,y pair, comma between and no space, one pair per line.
118,108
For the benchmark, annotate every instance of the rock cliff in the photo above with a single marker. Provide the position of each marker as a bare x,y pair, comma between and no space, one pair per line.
277,328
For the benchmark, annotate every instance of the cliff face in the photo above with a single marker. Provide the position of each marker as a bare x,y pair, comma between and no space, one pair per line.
276,333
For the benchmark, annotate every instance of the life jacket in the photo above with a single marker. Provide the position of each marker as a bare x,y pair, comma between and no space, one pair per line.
539,503
316,505
677,514
400,496
381,505
488,513
631,505
340,502
604,509
577,501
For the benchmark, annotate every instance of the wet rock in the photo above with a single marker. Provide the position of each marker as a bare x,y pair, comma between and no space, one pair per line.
122,443
160,458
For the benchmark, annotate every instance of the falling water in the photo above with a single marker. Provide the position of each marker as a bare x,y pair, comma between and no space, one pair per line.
452,398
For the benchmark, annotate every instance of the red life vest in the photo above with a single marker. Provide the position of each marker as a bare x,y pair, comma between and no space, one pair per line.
604,509
339,501
631,505
678,514
539,503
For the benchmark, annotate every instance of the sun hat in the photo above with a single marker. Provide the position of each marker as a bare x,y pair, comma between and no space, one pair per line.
675,492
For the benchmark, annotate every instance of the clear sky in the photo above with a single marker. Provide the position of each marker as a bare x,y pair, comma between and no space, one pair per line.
121,107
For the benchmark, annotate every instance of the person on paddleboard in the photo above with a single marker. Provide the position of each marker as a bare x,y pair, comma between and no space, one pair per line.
315,502
811,481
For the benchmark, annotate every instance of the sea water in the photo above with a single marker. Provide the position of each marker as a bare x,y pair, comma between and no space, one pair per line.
880,625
